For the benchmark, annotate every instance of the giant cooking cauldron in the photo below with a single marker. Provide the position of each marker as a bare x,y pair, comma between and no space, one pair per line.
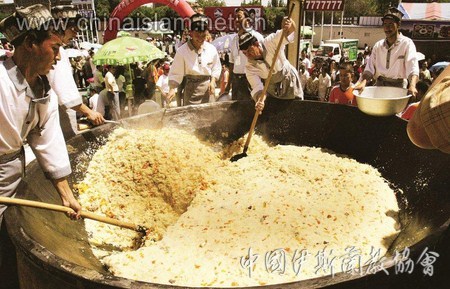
53,252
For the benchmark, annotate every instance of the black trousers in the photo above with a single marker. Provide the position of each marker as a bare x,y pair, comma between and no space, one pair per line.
240,87
8,263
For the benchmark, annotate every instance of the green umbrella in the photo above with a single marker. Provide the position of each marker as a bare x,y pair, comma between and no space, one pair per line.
123,33
126,50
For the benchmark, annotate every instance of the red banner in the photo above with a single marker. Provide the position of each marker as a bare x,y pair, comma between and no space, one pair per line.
324,5
127,6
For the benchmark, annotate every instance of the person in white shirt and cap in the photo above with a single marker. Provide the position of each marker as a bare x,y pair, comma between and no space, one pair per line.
239,84
393,61
285,82
29,107
61,78
197,64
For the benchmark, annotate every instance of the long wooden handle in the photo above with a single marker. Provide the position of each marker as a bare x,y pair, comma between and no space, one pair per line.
266,84
63,209
113,121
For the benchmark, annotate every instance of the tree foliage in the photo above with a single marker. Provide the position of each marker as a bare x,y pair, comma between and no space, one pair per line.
251,2
277,3
273,17
360,8
103,8
210,3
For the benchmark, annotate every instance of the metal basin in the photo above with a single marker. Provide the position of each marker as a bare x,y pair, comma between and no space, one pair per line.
53,252
382,100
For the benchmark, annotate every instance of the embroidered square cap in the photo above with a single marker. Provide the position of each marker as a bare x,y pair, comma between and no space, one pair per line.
65,12
394,14
24,19
199,22
68,16
245,40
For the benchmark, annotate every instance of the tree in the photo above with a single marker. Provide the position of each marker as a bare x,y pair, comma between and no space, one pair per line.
210,3
273,17
360,8
102,8
251,3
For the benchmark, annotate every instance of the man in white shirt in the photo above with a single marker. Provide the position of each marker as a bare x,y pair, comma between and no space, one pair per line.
96,102
113,93
163,83
304,75
324,83
239,83
285,82
393,61
197,63
61,78
29,107
305,60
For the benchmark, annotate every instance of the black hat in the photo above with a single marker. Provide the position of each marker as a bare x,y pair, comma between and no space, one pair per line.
394,14
245,40
24,19
199,22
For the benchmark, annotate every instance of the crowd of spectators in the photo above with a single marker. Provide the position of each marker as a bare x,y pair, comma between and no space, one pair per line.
319,77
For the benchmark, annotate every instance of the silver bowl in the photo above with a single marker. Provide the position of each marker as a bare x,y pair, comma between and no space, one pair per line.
382,100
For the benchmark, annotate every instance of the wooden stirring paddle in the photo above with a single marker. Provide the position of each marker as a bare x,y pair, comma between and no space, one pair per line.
63,209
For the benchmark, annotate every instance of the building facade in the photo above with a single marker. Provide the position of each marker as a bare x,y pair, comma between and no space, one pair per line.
25,3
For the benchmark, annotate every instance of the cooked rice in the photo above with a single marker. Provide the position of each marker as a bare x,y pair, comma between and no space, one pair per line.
210,211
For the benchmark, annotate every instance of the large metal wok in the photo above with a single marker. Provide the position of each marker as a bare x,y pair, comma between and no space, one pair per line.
53,252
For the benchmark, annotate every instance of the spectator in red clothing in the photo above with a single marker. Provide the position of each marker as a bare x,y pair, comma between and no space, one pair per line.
343,92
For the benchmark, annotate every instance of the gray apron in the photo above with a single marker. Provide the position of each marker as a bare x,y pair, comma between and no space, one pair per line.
196,89
10,177
285,84
12,165
385,81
